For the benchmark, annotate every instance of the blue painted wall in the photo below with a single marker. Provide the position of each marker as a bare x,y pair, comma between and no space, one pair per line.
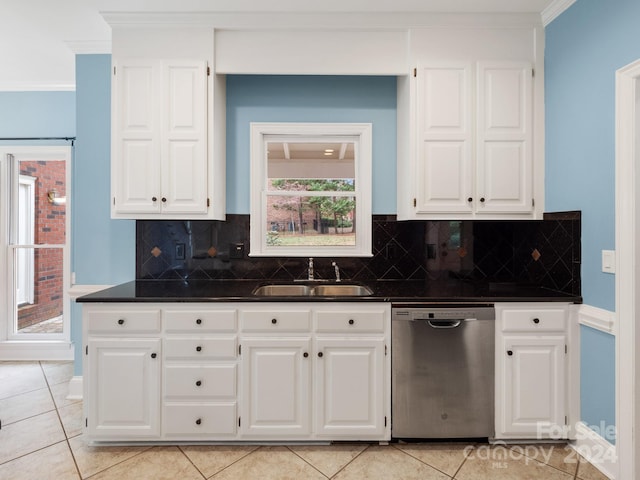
103,249
311,99
584,48
38,114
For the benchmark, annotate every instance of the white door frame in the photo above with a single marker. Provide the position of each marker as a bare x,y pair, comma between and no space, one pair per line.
627,273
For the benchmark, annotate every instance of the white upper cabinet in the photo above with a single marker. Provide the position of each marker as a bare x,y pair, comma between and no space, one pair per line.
470,126
473,131
166,160
160,137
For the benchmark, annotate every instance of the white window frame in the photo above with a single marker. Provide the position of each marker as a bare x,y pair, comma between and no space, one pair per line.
14,346
27,221
263,132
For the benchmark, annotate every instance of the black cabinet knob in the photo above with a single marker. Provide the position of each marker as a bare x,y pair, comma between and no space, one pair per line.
198,421
482,200
320,354
536,320
351,321
198,348
199,383
154,355
509,352
305,354
121,322
154,199
199,321
470,199
274,320
164,199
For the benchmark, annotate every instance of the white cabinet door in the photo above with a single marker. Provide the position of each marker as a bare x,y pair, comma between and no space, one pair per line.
504,138
276,401
349,378
124,388
184,145
444,125
136,127
160,138
533,385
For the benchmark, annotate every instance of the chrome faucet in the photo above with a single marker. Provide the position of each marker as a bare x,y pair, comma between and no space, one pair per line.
310,268
335,267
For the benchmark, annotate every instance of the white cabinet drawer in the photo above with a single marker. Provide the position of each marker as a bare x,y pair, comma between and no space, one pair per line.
211,381
123,321
350,321
276,321
534,320
194,419
196,321
200,348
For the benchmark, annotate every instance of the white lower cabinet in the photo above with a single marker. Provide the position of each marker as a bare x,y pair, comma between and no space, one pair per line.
123,367
226,372
275,388
532,394
349,378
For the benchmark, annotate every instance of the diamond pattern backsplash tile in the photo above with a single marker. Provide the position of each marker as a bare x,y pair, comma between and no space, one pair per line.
544,253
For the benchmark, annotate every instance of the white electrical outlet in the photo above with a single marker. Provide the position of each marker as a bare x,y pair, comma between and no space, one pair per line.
609,261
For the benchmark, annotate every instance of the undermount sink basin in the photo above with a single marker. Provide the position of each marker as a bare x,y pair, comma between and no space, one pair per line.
341,290
333,290
283,291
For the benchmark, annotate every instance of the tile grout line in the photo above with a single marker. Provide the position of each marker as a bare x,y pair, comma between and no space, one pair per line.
427,464
191,462
352,460
307,462
66,436
574,474
233,463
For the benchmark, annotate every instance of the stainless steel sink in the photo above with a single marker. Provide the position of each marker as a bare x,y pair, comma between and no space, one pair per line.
341,290
283,291
293,290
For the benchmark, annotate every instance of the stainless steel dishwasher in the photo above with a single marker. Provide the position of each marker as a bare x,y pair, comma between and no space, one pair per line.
442,371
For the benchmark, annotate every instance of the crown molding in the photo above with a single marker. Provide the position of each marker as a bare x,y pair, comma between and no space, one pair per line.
554,10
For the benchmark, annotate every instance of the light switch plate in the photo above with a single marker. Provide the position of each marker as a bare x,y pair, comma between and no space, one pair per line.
609,261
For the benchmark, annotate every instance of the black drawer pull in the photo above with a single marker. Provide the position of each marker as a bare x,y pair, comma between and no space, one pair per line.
199,383
198,348
274,320
305,354
536,320
164,199
351,321
154,199
198,421
121,322
153,355
509,352
199,321
320,354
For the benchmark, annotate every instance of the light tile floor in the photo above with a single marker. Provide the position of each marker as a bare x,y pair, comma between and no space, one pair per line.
41,438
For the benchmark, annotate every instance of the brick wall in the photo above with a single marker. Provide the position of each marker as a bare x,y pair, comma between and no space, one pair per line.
49,229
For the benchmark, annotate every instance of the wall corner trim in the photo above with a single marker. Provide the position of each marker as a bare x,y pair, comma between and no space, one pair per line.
598,318
76,291
596,450
554,10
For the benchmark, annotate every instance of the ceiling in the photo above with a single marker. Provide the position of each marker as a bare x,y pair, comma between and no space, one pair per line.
39,38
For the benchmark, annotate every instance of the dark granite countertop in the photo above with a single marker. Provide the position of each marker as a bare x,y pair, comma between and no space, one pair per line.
395,291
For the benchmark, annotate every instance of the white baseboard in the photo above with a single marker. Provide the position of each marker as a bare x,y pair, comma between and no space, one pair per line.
596,450
75,388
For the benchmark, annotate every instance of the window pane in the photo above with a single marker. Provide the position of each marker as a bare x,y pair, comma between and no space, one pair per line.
310,221
42,202
39,290
311,161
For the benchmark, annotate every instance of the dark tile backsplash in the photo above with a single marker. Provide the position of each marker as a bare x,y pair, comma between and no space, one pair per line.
544,253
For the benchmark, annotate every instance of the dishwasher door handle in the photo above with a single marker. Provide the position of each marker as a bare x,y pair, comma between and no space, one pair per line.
444,323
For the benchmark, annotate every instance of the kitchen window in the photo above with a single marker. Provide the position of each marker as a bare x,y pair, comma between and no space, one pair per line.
310,189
